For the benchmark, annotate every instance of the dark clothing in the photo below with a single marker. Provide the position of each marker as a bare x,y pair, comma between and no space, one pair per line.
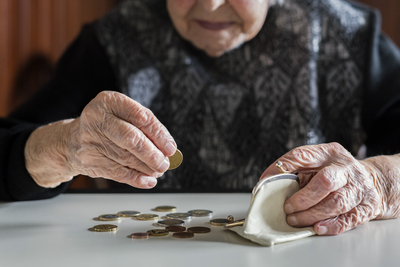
318,71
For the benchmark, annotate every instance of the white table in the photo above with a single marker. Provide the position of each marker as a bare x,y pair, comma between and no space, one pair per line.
54,232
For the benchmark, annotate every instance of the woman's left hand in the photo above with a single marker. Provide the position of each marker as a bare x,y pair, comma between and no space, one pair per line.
337,191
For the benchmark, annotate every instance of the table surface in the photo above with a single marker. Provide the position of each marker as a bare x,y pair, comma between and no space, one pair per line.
54,232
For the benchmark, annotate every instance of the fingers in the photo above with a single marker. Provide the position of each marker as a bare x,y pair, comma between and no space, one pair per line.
320,186
111,170
130,138
339,202
142,118
125,158
344,222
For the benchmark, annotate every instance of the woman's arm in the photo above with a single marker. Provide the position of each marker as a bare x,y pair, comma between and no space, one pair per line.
81,74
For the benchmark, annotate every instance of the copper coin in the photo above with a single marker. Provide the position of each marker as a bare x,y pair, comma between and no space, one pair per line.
199,230
175,228
140,235
183,235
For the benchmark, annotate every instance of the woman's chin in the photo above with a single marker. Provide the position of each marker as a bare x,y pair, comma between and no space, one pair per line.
217,50
214,51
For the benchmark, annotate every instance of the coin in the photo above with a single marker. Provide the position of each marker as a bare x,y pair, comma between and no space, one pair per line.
199,230
105,228
175,160
179,215
146,217
183,235
200,213
219,222
170,222
128,213
109,217
165,208
158,232
140,235
175,228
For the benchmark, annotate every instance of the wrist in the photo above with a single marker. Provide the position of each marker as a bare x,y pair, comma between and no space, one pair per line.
387,182
376,175
46,154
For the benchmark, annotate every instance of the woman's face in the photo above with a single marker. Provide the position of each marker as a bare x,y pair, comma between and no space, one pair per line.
217,26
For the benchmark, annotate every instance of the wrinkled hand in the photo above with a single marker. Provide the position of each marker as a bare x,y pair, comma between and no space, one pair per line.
337,191
115,138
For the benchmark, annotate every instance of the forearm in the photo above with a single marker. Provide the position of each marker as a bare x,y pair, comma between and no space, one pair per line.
46,154
386,172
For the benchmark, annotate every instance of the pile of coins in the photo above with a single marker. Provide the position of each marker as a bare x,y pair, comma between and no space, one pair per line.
173,222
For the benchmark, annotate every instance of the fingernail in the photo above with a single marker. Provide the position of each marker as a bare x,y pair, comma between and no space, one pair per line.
164,166
170,149
152,182
291,219
321,230
289,208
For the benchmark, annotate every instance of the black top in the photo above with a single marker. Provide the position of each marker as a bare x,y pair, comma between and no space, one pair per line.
89,67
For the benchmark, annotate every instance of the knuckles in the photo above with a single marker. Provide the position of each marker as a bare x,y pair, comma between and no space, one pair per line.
337,204
326,181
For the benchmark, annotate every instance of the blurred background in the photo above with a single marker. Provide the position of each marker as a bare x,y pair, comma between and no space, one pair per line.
34,34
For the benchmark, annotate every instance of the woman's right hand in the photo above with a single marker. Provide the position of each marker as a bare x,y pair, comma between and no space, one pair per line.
115,138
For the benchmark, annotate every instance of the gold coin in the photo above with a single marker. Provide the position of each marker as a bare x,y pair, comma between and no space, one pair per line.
175,160
165,208
146,217
109,217
158,232
105,228
128,213
219,222
183,235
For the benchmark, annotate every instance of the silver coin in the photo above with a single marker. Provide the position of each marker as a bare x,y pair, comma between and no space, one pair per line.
128,213
109,217
200,213
170,222
179,215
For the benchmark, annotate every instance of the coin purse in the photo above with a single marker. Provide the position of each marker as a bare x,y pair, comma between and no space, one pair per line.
265,221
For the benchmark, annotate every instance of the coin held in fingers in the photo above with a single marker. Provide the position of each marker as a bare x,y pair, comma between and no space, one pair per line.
175,160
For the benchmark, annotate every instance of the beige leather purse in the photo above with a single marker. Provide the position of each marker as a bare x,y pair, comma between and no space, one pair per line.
265,221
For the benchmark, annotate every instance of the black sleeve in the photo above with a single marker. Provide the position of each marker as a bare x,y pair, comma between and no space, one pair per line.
82,72
381,111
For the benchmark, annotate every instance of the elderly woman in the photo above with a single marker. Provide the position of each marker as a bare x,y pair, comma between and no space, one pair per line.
235,84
